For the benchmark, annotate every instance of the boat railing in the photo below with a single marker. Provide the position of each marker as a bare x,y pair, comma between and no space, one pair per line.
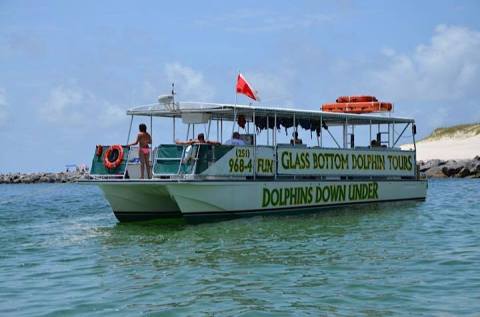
167,159
99,170
176,160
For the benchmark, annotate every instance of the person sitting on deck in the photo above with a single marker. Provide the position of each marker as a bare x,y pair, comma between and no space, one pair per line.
143,140
375,143
199,140
190,151
235,140
295,139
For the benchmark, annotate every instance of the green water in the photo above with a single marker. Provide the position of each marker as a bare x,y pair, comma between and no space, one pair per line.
64,254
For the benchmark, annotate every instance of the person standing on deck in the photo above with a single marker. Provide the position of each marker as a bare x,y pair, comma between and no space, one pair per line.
143,140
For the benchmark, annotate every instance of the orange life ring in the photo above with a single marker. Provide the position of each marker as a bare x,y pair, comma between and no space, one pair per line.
112,160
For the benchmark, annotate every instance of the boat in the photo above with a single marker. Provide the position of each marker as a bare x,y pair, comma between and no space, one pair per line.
350,159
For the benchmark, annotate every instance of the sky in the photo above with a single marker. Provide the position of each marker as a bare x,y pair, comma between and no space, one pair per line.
70,70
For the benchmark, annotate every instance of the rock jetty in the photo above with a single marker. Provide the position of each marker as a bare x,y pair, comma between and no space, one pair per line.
430,168
61,177
451,168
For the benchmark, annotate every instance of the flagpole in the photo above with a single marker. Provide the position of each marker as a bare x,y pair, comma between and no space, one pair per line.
235,106
234,114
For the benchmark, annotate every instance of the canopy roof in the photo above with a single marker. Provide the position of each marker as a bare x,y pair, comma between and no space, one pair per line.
228,112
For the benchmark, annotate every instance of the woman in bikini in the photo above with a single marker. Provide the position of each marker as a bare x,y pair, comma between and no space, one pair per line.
143,140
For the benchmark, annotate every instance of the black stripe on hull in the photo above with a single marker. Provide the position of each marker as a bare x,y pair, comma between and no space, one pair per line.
212,216
128,216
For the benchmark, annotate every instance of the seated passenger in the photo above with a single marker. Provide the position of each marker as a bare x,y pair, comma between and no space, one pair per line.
199,140
295,139
374,143
235,140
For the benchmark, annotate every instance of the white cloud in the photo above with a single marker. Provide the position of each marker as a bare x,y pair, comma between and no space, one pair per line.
273,88
3,107
446,69
245,21
71,105
190,84
64,105
150,90
111,114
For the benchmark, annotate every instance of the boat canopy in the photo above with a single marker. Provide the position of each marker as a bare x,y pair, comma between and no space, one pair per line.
230,112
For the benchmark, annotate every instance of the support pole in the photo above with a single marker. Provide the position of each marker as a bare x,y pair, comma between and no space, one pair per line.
370,137
274,143
268,134
208,129
352,138
414,142
393,133
321,131
294,129
401,134
333,138
234,112
389,135
378,131
174,129
130,129
254,148
415,150
273,131
234,119
151,136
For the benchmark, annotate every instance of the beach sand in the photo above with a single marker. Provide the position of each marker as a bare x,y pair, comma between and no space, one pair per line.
456,148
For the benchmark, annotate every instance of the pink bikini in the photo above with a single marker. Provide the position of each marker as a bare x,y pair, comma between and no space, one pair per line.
145,150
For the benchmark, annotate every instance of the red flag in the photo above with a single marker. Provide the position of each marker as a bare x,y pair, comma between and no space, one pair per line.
243,87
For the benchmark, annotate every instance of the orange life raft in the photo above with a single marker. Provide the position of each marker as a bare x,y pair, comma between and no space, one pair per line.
356,99
357,104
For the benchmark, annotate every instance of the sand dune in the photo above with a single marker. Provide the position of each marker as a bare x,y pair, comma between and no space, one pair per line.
448,148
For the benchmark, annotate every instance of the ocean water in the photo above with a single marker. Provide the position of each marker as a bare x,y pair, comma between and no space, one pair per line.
64,254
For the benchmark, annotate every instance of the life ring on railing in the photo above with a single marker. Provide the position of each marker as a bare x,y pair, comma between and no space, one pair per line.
99,150
113,157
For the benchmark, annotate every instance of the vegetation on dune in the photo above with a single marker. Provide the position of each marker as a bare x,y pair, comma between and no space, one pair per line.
461,130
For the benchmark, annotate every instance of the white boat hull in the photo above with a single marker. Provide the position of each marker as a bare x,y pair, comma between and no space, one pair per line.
133,201
198,201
